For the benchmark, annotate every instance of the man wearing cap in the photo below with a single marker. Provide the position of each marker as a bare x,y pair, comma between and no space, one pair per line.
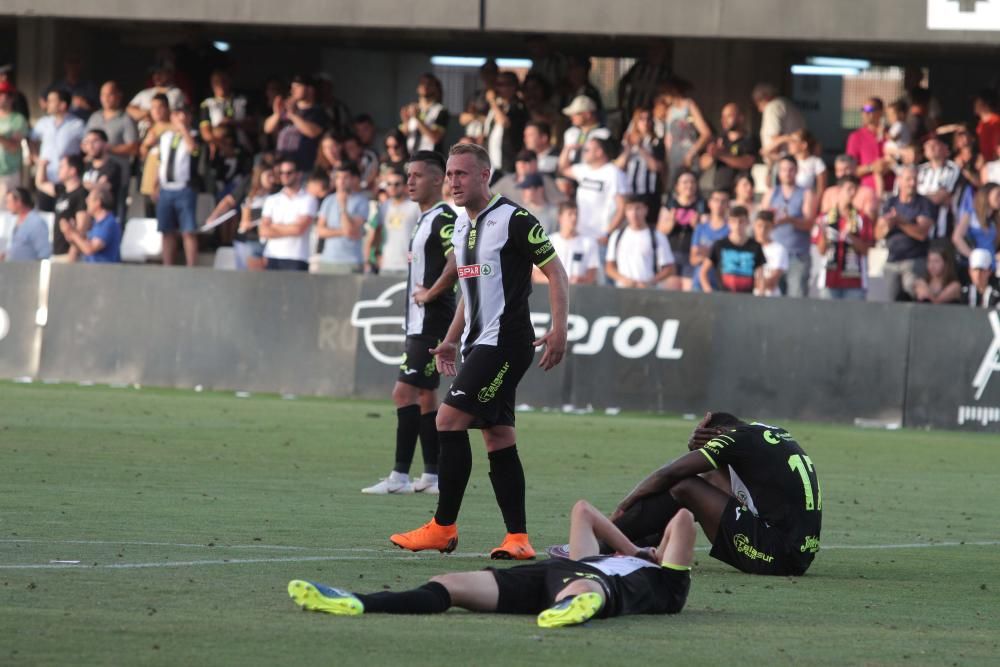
582,112
298,122
983,290
866,145
13,130
20,101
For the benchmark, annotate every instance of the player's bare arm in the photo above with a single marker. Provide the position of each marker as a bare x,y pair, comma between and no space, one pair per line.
664,478
446,354
445,281
554,339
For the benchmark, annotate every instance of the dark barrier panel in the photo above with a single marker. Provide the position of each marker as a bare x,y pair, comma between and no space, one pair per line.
953,380
188,327
18,303
809,359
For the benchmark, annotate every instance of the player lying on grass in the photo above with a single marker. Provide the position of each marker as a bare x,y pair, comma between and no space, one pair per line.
561,591
750,486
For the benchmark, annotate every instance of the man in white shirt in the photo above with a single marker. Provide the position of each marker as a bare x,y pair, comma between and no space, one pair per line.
779,118
397,218
285,222
163,83
638,255
582,113
175,192
775,253
578,253
600,192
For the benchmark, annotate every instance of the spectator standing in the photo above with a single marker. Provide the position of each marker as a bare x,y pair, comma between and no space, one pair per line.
397,218
769,279
978,228
706,234
71,203
176,188
367,161
247,243
940,284
582,112
222,109
140,108
101,243
897,135
342,217
779,118
982,290
985,106
120,129
29,241
74,84
677,221
159,114
731,155
639,86
547,64
425,122
298,122
967,157
744,194
101,169
867,146
737,259
794,209
865,201
579,254
476,107
939,180
601,190
537,96
57,134
13,130
330,153
843,236
525,164
905,224
642,158
363,127
687,131
538,140
505,121
396,155
532,197
811,170
20,103
638,255
285,221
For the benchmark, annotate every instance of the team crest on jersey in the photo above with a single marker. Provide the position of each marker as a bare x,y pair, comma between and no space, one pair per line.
475,271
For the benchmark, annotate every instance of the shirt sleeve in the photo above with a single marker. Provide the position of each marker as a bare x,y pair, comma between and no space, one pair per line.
664,255
530,237
726,449
103,231
130,134
309,206
613,246
696,237
820,165
204,117
591,258
358,207
758,257
621,182
782,258
41,243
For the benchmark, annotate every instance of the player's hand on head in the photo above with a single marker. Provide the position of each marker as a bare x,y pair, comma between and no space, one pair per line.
702,433
555,348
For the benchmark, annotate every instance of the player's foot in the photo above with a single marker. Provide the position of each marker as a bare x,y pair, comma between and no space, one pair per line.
394,483
431,535
558,551
317,597
426,483
571,611
515,547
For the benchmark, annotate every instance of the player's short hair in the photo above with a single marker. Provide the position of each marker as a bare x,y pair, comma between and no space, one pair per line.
739,212
724,420
476,151
429,158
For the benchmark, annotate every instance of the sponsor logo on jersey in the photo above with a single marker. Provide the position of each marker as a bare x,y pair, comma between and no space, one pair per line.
537,235
743,546
475,271
811,544
447,231
472,238
457,392
487,393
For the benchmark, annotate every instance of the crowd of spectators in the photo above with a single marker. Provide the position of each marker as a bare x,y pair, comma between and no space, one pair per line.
664,199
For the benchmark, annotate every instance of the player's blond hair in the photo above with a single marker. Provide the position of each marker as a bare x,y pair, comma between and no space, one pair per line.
478,152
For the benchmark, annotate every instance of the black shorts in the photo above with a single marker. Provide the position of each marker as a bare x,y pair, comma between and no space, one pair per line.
418,368
532,588
487,381
749,544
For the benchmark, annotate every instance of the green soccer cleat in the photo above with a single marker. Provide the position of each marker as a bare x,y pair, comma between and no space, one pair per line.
317,597
571,611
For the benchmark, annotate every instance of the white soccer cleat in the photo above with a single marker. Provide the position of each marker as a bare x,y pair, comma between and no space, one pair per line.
427,483
394,483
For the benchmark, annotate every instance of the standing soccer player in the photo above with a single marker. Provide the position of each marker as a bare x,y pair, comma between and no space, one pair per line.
430,308
496,243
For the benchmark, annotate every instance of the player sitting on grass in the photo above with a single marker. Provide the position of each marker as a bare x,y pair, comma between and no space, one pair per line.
750,486
562,592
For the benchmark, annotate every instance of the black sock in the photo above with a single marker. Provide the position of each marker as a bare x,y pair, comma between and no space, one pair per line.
646,519
429,444
507,476
455,467
407,428
431,598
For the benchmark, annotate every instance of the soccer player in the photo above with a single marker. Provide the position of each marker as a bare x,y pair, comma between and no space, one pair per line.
496,243
760,506
429,310
562,592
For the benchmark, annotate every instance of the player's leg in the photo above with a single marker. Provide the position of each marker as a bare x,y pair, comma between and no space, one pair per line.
507,478
643,522
406,398
677,548
430,445
589,530
706,501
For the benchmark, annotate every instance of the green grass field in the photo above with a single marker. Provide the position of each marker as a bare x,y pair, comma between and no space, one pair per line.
190,512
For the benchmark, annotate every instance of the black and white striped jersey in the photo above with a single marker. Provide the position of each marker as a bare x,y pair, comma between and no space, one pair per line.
494,254
429,249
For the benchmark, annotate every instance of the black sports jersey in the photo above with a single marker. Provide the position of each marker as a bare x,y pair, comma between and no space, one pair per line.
773,478
430,245
68,204
495,253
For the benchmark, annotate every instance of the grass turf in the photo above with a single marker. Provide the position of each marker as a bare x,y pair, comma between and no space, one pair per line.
226,500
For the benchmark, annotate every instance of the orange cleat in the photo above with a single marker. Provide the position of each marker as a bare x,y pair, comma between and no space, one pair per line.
515,547
431,535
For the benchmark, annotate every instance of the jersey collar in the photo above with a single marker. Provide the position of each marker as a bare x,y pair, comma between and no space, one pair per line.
486,209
